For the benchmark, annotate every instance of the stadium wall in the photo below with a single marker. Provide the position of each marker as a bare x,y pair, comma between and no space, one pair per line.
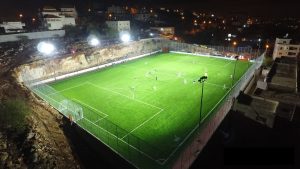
50,69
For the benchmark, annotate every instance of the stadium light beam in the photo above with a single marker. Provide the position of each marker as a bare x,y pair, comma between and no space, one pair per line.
201,80
125,37
46,48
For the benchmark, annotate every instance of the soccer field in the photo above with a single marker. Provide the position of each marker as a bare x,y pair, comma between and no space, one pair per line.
146,108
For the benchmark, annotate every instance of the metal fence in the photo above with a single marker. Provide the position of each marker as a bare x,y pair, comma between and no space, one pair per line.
201,134
132,148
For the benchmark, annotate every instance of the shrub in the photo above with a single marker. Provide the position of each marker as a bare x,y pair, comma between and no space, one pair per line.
12,115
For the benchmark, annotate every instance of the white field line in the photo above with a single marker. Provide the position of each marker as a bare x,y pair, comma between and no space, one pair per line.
105,115
125,96
214,84
93,68
143,123
100,119
160,109
59,91
202,55
110,134
179,145
120,140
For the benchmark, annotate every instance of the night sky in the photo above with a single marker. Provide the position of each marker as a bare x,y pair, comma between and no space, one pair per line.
267,8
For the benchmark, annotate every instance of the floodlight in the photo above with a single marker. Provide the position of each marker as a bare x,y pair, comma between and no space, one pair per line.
125,37
94,42
46,48
151,34
202,79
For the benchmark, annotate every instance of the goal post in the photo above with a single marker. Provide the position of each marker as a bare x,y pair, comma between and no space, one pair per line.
71,110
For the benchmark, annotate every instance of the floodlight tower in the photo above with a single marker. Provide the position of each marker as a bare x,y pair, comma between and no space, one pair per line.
259,43
236,59
201,80
47,48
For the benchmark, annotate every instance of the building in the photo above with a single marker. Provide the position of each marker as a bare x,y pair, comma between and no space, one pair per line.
120,26
283,47
69,12
118,13
142,15
168,32
12,26
54,19
116,10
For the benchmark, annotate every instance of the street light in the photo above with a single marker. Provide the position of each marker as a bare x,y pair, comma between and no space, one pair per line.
259,43
201,80
234,43
267,46
236,59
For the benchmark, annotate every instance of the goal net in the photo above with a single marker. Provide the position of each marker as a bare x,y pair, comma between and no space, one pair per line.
67,107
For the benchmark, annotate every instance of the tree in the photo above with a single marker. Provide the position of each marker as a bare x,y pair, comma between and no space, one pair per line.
72,31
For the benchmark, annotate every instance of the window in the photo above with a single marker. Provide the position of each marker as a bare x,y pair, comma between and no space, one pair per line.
293,48
291,53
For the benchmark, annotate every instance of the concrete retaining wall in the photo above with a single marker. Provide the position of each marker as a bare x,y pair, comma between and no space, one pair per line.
55,67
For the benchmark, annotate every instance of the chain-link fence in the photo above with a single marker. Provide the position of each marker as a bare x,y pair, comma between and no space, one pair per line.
132,148
201,134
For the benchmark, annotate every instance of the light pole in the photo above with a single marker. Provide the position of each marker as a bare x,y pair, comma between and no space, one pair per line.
233,76
259,43
201,80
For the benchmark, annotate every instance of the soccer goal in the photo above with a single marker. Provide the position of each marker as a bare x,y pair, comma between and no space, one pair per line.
71,110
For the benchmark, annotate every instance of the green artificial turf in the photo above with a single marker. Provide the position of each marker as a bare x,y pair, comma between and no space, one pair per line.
151,103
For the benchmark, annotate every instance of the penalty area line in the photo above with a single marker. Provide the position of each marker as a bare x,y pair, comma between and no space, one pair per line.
124,96
143,123
98,111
